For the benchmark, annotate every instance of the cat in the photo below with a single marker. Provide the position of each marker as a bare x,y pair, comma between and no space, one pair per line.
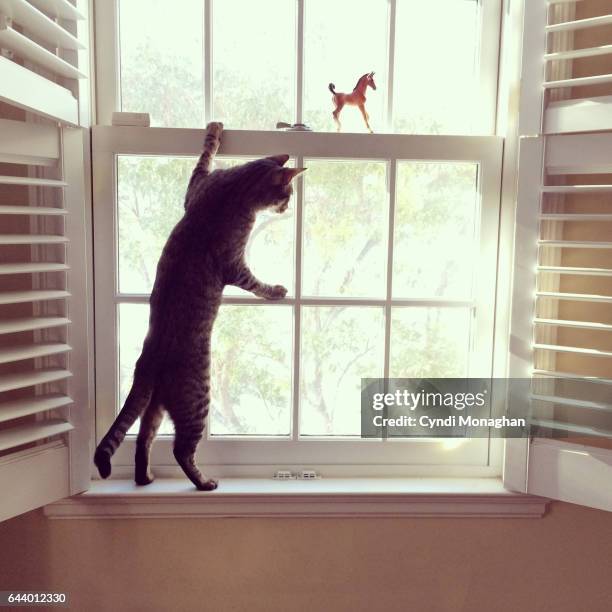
205,252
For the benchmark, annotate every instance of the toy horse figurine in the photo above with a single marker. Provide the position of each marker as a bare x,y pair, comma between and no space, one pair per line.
355,98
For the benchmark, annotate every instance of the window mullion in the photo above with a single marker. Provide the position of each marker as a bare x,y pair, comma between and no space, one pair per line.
391,65
207,37
299,71
392,177
297,314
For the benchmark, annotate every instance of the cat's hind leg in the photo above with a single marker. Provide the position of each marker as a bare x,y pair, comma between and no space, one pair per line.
185,445
189,410
149,424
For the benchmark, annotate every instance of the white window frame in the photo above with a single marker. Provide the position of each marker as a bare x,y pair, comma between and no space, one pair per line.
260,457
108,142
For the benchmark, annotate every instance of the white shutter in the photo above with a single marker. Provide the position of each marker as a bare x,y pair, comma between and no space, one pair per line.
45,361
562,297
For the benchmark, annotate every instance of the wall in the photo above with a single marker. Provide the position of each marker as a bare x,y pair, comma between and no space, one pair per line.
560,563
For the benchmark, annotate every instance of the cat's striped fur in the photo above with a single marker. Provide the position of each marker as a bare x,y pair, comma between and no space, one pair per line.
204,252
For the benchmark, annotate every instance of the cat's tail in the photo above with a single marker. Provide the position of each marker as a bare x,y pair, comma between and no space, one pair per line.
332,88
136,403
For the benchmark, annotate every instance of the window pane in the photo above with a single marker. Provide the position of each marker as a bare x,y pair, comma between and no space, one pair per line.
133,324
345,229
340,346
430,342
343,41
254,51
436,230
151,192
269,251
161,60
251,367
251,371
150,197
436,85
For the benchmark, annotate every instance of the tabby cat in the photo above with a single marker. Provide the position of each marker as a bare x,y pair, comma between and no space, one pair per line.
204,252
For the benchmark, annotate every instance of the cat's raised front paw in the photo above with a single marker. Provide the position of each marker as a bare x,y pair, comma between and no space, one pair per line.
215,128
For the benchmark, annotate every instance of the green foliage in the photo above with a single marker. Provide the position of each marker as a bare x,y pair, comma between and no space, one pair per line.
163,86
344,255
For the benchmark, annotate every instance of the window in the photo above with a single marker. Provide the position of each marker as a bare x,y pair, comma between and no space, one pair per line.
204,63
388,251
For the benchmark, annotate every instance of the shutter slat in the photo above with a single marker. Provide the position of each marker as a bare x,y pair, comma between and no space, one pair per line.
19,297
575,217
571,428
576,271
577,297
32,268
16,409
39,24
574,324
573,244
62,9
32,92
574,403
12,326
22,380
578,53
572,349
27,49
580,24
32,351
575,189
25,434
598,79
31,210
572,376
31,239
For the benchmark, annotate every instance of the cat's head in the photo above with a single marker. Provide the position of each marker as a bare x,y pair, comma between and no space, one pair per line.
271,182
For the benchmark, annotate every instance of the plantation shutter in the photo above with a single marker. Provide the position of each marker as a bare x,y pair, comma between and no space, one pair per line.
45,416
562,301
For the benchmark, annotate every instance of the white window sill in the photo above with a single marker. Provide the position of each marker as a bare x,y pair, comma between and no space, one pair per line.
342,497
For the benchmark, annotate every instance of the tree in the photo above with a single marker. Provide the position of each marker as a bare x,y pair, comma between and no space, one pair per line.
345,247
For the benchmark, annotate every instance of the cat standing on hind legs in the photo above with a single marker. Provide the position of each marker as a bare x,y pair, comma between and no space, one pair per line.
205,252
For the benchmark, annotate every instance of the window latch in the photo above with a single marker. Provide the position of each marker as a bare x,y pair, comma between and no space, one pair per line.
299,475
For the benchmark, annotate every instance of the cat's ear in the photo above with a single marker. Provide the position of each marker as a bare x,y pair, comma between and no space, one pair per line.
281,160
288,174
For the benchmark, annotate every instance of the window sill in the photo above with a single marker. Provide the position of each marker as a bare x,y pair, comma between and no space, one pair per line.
332,497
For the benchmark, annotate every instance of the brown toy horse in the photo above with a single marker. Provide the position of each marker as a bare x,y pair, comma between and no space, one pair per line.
355,98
